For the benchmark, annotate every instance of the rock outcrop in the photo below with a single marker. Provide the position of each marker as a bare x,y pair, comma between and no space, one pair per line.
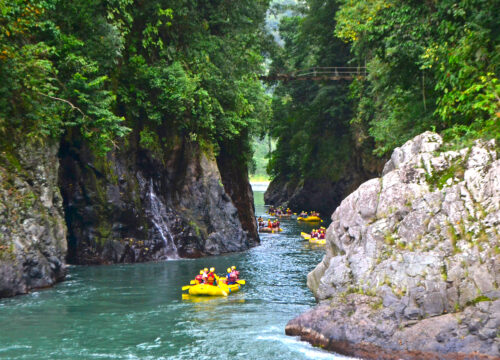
412,267
32,229
322,194
140,205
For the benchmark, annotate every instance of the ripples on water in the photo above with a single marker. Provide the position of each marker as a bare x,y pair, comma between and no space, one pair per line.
136,311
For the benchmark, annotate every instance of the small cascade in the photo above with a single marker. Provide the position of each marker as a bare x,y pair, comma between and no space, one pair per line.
159,218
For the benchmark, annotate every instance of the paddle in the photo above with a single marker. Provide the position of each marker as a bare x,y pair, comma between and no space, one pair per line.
242,282
186,287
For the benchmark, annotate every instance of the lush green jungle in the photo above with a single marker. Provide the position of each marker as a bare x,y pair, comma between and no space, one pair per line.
105,67
102,68
431,65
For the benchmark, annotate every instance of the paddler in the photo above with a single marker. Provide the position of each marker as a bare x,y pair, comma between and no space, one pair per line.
269,224
303,214
205,275
199,277
231,277
211,277
235,272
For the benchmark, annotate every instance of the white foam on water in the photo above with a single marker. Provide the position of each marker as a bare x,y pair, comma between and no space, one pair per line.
304,348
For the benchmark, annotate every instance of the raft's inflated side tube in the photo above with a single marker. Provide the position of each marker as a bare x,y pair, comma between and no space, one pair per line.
270,230
230,288
306,236
207,290
309,218
317,241
211,290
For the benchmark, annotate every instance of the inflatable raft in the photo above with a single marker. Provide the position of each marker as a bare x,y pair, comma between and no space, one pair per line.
269,230
306,236
211,290
309,218
317,241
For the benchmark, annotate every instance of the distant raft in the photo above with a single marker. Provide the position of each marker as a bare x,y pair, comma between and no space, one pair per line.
309,219
312,240
270,230
317,241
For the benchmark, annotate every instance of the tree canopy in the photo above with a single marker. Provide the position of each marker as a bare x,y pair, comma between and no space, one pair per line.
432,65
105,67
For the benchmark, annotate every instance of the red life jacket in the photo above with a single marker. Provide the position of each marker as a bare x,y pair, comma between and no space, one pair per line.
211,278
199,278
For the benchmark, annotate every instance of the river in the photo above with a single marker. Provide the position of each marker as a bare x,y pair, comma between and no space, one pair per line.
137,311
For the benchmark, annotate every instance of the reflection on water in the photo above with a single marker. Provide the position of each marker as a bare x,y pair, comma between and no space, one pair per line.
138,311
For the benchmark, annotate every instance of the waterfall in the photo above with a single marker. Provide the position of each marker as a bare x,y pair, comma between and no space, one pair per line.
159,219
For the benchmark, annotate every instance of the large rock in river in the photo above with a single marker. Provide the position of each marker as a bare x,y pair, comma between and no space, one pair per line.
32,229
412,267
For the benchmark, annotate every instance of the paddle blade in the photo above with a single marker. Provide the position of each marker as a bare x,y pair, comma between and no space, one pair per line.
193,282
186,287
242,282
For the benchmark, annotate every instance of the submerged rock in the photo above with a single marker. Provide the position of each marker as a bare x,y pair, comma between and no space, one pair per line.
412,263
32,229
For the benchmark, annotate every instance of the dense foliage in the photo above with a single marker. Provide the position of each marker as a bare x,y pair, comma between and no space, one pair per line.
108,66
311,119
432,65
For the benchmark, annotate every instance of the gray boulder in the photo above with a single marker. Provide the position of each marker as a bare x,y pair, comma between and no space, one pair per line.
32,228
412,262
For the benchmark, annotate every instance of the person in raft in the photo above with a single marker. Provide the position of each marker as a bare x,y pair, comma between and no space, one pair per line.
303,214
289,211
231,277
205,275
199,277
235,272
261,222
269,224
211,277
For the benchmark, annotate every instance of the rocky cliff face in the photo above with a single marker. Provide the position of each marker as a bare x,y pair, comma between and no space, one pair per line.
140,205
32,228
319,194
412,268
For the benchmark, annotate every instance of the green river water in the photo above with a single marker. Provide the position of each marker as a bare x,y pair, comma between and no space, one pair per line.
137,311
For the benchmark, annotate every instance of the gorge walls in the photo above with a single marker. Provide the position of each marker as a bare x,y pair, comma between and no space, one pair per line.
32,228
412,263
139,205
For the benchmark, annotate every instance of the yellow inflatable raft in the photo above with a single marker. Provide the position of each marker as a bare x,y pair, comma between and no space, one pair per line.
269,230
309,218
211,290
317,241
